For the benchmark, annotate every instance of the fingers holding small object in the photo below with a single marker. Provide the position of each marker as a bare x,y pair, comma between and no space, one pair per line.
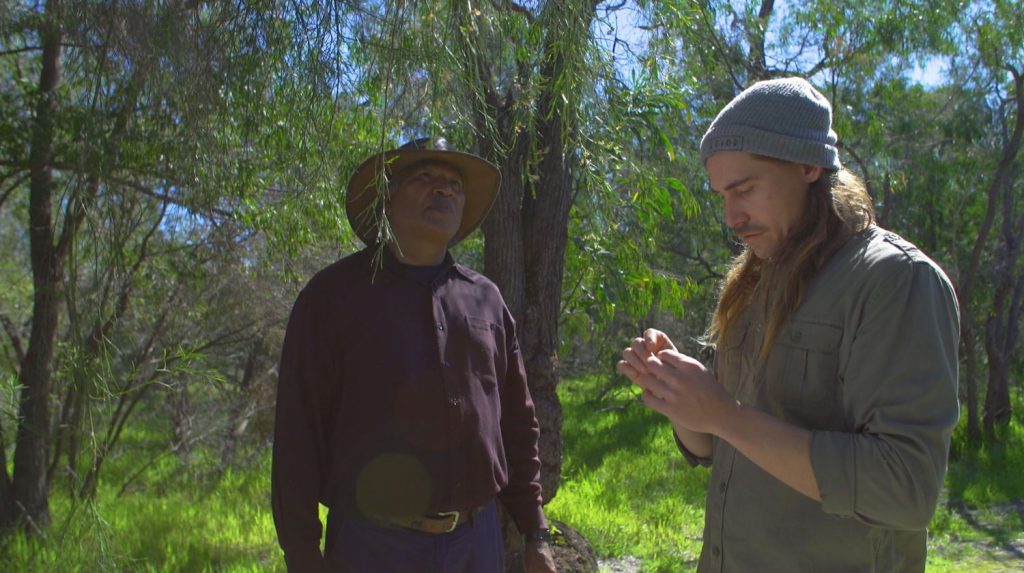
679,361
626,369
656,340
639,348
637,357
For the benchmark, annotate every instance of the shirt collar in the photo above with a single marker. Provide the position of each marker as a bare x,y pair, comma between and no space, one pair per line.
391,264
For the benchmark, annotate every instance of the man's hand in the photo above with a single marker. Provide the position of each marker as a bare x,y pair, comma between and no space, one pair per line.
538,558
682,389
674,384
635,358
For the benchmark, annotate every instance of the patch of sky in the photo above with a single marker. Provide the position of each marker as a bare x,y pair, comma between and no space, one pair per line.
620,31
932,72
182,224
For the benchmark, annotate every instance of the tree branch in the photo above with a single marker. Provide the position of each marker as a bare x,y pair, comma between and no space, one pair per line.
718,46
863,167
22,50
14,185
12,332
699,259
514,7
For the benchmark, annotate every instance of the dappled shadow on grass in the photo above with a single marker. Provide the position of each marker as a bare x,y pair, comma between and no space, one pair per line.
1001,530
598,423
991,473
614,441
983,516
625,485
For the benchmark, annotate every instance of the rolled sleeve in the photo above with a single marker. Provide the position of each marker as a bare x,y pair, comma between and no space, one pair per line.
900,394
691,458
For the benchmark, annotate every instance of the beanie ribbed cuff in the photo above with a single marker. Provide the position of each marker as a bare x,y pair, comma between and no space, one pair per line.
783,118
769,144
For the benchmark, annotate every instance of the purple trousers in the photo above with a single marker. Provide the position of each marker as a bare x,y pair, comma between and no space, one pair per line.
359,546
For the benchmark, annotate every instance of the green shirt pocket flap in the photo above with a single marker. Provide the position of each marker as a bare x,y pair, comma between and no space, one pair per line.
817,337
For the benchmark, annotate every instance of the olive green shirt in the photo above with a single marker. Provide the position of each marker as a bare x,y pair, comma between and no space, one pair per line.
868,362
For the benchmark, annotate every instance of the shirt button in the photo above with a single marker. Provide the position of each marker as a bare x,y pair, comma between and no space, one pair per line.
715,550
453,401
440,326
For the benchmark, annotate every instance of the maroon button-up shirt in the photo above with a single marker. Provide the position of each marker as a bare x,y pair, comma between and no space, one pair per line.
400,397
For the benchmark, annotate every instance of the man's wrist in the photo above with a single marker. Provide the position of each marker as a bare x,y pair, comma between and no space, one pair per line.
539,536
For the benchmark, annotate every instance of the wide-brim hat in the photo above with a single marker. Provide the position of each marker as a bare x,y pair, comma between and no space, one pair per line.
480,183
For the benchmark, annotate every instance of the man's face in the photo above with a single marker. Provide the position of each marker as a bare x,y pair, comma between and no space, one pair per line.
427,205
764,199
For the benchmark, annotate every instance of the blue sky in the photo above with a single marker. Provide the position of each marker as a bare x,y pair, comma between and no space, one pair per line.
619,30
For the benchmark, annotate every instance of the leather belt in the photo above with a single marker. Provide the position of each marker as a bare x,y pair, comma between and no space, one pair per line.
438,523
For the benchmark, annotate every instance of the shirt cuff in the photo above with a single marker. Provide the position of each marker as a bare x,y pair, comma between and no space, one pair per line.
690,457
528,521
305,560
834,462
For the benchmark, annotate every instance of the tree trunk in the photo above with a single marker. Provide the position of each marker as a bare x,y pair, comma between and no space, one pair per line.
1001,326
527,230
545,234
969,377
997,395
29,505
1000,181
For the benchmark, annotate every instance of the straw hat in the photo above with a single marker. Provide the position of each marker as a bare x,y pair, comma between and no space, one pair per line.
480,182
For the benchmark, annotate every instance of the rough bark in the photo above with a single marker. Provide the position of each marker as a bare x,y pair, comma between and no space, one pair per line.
526,232
29,504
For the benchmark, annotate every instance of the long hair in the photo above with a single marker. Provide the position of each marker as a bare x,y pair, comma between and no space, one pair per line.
838,207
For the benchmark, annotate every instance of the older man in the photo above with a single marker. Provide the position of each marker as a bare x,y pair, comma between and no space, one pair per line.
402,401
828,417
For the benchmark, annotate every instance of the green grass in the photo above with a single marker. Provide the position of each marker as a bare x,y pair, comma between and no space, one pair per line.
977,520
625,487
172,527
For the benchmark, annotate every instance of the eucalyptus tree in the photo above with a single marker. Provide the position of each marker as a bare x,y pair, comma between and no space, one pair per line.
990,66
119,118
534,88
711,50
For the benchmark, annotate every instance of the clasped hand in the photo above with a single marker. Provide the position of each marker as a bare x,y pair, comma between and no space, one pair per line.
674,384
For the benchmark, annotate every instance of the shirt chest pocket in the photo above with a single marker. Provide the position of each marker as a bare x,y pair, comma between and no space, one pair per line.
729,356
478,340
803,374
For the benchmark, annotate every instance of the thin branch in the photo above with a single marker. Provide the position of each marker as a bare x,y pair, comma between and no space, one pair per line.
863,167
145,190
718,46
698,258
133,185
12,332
514,7
14,185
22,50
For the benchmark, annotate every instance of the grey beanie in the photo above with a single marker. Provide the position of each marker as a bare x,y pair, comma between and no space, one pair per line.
785,118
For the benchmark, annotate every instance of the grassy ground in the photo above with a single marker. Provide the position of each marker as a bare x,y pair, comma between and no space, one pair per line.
625,488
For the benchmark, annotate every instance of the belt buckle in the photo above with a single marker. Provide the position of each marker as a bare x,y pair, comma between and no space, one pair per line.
455,519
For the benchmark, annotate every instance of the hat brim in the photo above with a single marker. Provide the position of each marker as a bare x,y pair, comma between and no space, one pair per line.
480,182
